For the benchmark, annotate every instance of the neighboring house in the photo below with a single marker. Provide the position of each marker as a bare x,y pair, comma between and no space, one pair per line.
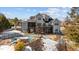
41,23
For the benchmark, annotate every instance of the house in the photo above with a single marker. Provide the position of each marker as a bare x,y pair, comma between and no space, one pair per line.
41,23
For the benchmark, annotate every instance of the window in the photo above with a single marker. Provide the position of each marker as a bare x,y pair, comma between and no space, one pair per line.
44,24
56,24
39,18
56,31
39,24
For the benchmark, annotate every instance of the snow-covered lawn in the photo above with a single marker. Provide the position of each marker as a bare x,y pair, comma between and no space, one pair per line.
49,45
6,48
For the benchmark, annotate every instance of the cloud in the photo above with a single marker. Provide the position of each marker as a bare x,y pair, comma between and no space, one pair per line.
19,8
7,14
28,10
56,12
34,10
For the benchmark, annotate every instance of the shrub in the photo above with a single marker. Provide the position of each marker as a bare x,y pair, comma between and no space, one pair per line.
19,46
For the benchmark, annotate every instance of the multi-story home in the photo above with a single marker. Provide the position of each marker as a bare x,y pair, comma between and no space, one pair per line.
41,23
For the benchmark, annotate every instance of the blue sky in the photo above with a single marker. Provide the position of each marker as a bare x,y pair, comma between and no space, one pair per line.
25,12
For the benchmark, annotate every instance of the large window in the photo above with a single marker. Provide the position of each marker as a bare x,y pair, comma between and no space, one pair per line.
31,24
39,18
56,24
39,24
56,31
44,24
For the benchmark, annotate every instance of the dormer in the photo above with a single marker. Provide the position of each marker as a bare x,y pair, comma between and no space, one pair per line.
56,22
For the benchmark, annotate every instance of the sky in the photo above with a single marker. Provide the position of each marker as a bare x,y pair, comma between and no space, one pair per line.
25,12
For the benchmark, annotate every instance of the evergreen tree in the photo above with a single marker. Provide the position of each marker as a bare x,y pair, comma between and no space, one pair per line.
4,23
72,26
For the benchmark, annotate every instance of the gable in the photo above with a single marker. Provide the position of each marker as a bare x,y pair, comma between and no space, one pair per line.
42,18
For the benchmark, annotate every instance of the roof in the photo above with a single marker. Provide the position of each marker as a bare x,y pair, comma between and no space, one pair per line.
56,20
47,20
31,20
45,16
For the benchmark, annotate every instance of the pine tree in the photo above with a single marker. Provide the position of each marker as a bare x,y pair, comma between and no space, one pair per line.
4,23
72,27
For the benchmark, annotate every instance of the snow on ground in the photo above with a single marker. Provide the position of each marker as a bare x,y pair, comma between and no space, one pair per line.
11,34
28,48
49,45
6,48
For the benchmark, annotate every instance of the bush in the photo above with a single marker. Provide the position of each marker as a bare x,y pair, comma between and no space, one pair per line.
37,45
4,23
19,46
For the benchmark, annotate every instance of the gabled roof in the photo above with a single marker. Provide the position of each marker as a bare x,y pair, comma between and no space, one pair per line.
45,16
56,20
47,21
31,20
